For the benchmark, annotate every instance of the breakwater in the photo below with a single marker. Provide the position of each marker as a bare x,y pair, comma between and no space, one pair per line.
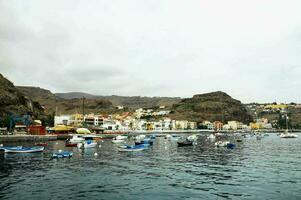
26,138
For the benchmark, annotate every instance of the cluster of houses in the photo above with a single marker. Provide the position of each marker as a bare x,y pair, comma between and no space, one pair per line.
137,121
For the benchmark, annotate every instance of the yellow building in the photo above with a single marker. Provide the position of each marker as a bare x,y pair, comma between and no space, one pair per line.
255,126
276,106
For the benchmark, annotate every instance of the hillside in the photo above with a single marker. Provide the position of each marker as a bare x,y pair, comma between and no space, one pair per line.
13,102
211,106
132,102
53,103
215,106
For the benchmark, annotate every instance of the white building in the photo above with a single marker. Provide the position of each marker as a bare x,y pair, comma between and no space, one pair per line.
62,120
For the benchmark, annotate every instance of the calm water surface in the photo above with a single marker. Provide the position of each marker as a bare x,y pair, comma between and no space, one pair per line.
256,169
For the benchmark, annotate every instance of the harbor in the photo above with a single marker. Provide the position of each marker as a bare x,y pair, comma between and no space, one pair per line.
168,170
150,100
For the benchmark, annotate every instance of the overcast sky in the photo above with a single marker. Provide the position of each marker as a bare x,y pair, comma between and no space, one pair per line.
249,49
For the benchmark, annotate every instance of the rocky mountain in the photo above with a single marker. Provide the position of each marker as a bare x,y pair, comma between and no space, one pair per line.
132,102
13,102
215,106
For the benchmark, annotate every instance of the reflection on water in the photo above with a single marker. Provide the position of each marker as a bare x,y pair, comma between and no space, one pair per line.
256,169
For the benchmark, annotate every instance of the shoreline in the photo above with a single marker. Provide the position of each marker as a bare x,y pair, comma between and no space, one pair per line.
51,137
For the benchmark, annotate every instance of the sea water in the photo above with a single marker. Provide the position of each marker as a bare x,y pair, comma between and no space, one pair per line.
269,168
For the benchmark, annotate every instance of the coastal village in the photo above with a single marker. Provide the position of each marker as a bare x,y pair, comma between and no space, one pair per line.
140,121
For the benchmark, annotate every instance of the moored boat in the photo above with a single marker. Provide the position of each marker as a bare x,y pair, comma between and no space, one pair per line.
221,143
41,144
185,143
87,144
192,138
76,139
145,141
69,144
211,136
140,147
21,149
119,139
288,135
65,154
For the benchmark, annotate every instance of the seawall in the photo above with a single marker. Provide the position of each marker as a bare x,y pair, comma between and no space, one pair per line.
26,138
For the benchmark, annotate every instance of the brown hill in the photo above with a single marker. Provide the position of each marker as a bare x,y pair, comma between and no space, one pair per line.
13,102
132,102
53,103
215,106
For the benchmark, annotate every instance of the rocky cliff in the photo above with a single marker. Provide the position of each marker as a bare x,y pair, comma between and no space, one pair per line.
13,102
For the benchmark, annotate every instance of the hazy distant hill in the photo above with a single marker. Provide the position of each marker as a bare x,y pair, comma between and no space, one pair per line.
76,95
211,106
130,102
53,103
13,102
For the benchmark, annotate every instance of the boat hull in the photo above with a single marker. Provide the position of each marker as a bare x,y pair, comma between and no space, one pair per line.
23,150
185,143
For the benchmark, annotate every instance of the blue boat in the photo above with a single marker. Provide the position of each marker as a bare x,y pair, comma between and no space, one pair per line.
149,141
65,154
230,146
139,147
21,149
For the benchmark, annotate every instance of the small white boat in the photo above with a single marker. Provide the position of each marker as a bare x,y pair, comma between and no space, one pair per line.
211,136
221,143
168,136
21,149
288,135
119,139
76,139
65,154
192,138
219,134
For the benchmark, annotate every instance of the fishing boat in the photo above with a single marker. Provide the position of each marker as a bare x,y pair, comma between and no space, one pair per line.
65,154
21,149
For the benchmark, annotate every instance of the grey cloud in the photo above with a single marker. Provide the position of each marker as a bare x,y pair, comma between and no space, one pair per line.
154,48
